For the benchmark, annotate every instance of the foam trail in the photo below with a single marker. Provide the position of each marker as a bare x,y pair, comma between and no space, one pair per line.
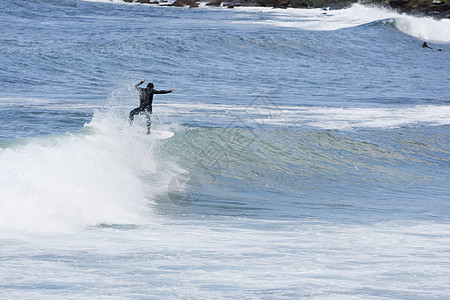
338,118
68,182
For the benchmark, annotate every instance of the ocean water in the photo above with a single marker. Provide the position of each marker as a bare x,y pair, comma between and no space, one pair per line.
311,155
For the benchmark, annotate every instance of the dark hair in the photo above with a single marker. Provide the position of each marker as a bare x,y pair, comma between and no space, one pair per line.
150,85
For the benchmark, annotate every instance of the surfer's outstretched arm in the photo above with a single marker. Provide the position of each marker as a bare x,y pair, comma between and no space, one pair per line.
141,82
163,92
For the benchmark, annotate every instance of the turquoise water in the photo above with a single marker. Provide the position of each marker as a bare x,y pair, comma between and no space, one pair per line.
310,157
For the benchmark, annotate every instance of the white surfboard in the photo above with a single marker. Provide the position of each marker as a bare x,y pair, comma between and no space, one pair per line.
158,134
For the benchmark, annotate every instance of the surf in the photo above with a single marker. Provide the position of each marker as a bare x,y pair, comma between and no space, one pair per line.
424,28
104,173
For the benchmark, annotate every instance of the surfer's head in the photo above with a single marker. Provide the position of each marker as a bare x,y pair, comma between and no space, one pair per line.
150,85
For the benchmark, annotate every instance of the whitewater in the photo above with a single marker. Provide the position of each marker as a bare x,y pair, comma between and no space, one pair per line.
310,158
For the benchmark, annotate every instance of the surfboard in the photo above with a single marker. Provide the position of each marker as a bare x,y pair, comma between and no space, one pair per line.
158,134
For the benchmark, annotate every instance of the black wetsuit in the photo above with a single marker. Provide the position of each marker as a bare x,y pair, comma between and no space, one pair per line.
146,101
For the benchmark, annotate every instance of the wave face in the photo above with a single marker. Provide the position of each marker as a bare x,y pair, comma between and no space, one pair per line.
110,173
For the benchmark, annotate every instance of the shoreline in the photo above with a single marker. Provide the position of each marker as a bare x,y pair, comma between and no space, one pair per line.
437,9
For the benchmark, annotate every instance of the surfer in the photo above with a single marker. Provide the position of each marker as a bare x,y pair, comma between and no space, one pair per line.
425,45
146,101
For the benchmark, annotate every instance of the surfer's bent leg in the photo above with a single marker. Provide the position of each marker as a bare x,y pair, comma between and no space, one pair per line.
134,112
148,115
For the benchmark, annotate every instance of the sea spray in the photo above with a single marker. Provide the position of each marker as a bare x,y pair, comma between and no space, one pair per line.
427,29
100,175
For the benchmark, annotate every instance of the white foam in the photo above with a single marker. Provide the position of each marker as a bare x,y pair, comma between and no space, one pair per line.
65,183
318,19
339,118
426,29
347,118
234,258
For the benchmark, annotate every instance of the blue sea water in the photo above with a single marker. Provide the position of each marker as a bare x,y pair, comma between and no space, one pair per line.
310,157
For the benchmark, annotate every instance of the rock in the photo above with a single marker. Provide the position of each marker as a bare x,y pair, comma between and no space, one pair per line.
333,4
182,3
438,9
178,3
273,3
235,3
320,4
246,3
421,7
341,4
400,4
128,1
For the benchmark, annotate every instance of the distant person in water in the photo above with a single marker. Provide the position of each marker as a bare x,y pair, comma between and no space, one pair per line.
425,45
146,101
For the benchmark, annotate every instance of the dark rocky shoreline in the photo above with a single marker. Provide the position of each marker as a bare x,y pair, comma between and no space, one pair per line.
438,9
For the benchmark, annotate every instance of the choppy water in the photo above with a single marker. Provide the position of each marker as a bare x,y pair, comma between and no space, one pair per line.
310,156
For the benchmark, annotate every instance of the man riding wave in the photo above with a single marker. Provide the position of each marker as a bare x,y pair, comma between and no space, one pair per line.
146,101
